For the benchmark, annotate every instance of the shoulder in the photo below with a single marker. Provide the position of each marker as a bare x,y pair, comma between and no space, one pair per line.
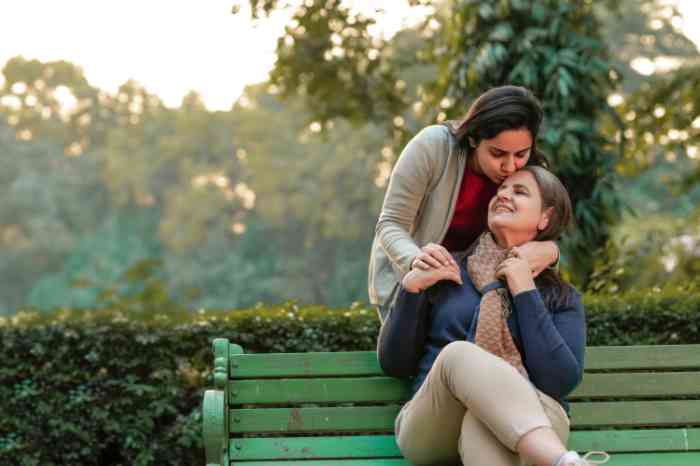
446,291
562,297
434,135
428,149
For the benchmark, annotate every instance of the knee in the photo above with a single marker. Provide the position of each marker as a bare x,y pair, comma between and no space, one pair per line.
456,351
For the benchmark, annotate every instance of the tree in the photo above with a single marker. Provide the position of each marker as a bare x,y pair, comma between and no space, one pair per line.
554,47
46,201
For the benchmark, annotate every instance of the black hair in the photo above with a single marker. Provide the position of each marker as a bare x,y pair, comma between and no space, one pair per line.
499,109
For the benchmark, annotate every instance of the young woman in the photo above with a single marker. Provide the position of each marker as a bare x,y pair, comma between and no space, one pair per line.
439,189
493,357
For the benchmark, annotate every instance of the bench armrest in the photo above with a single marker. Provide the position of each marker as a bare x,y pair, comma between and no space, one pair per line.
214,427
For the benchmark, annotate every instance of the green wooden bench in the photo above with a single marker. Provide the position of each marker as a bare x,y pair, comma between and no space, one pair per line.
639,403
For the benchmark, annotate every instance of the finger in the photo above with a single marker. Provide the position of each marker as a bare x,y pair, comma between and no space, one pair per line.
439,253
446,256
421,264
431,260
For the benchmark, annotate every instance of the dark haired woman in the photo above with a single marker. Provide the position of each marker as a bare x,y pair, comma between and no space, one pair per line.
494,357
439,190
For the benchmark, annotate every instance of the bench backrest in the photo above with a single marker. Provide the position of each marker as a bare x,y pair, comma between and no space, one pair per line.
341,405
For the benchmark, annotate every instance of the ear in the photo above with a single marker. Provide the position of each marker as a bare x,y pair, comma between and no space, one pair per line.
544,219
471,142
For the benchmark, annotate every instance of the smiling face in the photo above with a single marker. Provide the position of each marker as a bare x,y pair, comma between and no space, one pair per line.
501,156
516,212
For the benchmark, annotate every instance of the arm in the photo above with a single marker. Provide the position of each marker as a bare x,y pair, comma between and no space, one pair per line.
402,336
553,342
408,185
540,255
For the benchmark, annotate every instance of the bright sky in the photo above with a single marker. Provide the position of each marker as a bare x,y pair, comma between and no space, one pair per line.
172,47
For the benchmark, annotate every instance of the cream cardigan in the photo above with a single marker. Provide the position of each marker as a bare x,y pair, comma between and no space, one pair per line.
418,207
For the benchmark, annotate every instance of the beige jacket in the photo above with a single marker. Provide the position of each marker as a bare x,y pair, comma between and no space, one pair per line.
418,207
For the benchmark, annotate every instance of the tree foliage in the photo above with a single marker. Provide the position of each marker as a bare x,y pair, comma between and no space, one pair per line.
554,47
277,198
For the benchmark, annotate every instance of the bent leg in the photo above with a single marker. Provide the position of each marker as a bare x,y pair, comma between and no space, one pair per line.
427,428
492,390
466,378
478,446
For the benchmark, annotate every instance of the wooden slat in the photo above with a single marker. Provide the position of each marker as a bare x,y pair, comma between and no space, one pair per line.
651,357
367,389
644,459
353,363
384,446
360,462
381,418
334,390
360,446
655,459
641,440
635,413
350,363
638,385
356,418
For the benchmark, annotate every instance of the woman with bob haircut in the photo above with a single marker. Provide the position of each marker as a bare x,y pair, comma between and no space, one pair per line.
439,189
494,351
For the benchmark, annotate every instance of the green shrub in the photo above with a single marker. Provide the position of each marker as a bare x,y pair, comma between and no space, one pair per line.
110,388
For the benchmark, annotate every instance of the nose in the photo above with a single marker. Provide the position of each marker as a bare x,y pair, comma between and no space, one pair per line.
503,195
508,165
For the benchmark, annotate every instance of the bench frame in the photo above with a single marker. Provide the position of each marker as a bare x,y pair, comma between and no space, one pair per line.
671,439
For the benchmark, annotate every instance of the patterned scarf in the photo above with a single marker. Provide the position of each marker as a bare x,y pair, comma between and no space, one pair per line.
492,332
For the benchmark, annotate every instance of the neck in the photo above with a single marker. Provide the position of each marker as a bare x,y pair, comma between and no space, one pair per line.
509,239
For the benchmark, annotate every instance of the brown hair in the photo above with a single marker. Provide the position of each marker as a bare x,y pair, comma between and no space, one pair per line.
499,109
555,291
555,197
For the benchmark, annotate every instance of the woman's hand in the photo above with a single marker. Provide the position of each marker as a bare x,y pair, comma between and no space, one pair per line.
433,256
418,280
518,274
539,254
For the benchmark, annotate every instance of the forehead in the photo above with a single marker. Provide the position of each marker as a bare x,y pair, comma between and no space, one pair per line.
523,178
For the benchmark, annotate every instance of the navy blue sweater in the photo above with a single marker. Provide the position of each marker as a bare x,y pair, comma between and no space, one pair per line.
419,325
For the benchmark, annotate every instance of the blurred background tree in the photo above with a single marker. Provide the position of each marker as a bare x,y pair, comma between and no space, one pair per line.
277,198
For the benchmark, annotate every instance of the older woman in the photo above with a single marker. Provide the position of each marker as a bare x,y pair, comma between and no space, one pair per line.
493,351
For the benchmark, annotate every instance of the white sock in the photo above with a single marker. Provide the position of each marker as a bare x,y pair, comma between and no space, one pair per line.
567,458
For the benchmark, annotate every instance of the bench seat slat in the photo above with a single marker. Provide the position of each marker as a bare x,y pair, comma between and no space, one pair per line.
355,462
332,390
655,459
349,363
638,385
643,357
357,446
277,365
384,446
337,419
636,413
368,389
630,459
638,440
381,418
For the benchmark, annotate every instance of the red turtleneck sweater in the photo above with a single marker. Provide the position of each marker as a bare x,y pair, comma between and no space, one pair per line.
471,212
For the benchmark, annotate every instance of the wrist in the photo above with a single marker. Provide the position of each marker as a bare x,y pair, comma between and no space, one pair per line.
521,286
555,254
411,283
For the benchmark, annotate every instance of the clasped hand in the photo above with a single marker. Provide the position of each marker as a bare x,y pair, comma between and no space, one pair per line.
515,270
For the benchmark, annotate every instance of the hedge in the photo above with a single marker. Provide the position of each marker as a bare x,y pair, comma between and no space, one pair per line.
102,387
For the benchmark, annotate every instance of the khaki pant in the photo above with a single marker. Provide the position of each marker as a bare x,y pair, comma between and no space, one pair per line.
472,408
